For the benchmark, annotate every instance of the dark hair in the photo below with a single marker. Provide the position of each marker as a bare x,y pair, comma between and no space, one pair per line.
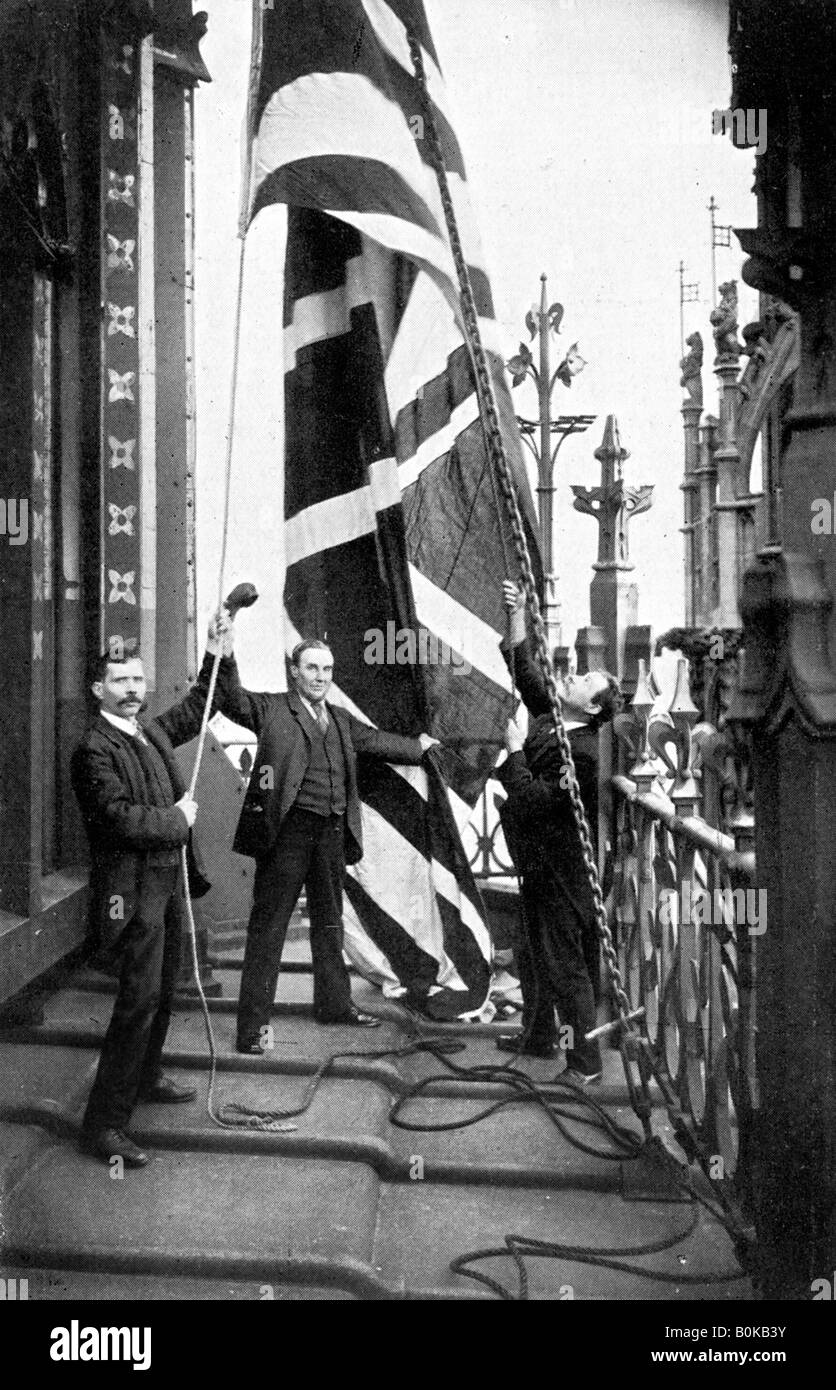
99,664
303,646
608,702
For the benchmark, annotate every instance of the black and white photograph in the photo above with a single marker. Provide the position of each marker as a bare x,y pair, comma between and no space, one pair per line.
418,664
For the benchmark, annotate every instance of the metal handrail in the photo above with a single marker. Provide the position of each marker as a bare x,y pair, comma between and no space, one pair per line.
704,836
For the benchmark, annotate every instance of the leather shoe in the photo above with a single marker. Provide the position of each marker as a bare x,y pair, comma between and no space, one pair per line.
250,1047
112,1143
353,1019
516,1042
167,1092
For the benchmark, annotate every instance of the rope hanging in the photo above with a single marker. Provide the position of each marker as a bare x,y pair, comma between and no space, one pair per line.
245,1119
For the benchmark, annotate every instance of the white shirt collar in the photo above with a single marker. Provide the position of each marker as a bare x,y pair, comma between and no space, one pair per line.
570,725
128,726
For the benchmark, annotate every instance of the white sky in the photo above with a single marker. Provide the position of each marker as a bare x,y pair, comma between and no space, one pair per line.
586,128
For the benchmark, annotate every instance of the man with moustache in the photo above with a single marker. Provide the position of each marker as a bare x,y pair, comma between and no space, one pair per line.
137,815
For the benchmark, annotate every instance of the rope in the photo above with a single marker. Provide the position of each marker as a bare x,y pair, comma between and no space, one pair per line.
236,353
602,1258
628,1146
254,1118
248,1120
632,1045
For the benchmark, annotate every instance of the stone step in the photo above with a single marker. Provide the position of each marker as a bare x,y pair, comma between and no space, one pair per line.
260,1220
347,1204
349,1115
38,1072
350,1119
78,1019
282,1221
85,1286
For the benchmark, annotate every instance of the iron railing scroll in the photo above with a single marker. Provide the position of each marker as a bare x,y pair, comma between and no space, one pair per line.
687,916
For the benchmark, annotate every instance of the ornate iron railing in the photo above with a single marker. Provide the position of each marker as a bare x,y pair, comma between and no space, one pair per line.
484,840
688,915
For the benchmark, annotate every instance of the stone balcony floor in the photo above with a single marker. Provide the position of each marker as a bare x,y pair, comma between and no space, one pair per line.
346,1206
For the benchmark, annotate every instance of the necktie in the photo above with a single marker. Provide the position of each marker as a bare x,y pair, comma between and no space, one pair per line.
322,719
139,735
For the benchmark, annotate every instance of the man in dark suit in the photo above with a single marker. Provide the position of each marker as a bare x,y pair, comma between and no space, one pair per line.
301,823
137,814
558,955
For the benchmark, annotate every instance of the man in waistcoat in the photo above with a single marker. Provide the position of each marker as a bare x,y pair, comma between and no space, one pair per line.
301,823
137,815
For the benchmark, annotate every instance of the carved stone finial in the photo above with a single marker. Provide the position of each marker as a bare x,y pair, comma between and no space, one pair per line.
613,503
724,320
691,366
611,453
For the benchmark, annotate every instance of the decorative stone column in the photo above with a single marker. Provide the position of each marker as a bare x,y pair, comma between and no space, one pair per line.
173,68
783,61
707,587
691,379
726,456
613,596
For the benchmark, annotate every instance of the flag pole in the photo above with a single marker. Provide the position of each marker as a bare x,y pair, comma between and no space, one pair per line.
256,55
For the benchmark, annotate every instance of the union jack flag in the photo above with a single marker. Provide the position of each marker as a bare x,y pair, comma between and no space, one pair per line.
393,521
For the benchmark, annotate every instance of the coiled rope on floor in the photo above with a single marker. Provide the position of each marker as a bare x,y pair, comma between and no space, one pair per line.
628,1146
604,1257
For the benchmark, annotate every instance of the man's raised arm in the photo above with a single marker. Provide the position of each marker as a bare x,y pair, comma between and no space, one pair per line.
516,650
182,721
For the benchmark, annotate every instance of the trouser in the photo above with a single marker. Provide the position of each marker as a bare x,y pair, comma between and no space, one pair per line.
556,959
149,948
308,853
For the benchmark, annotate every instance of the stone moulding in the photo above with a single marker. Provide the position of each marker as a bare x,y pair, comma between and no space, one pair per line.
760,383
787,671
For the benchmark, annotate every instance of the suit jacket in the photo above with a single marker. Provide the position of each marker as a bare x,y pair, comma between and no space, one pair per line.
537,818
280,722
126,836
